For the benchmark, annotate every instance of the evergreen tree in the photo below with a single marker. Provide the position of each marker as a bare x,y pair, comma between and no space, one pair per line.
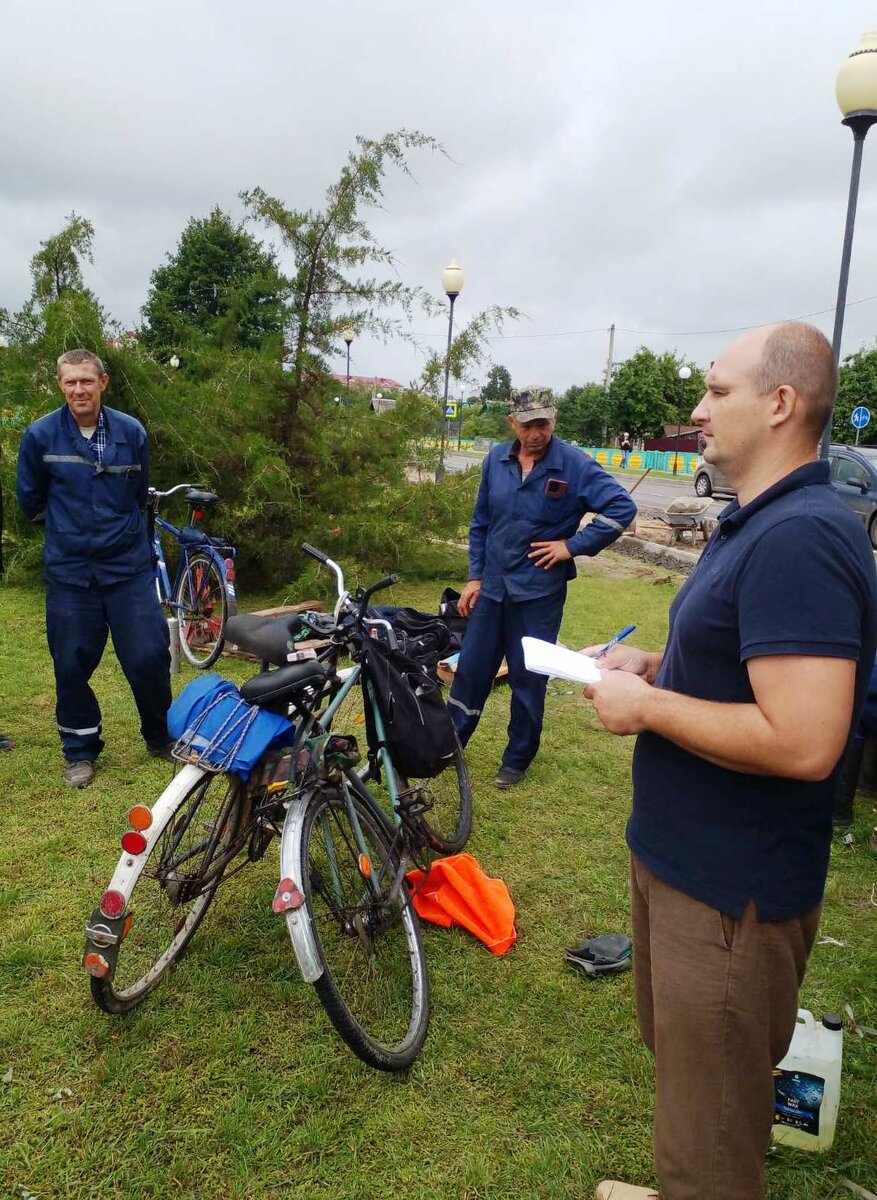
219,284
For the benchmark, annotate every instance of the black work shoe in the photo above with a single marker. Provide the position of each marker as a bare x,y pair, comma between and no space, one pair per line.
79,774
508,777
165,751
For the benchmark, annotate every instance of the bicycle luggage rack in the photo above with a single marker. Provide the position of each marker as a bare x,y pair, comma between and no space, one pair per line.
216,751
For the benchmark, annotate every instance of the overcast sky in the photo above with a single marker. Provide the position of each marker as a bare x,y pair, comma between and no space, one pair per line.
672,167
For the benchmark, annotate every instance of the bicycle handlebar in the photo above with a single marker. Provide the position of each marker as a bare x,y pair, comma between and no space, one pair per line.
343,595
153,494
315,553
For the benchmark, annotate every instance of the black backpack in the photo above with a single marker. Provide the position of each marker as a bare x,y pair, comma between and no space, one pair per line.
419,733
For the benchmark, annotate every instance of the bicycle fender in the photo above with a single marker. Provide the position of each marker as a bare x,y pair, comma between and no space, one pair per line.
129,866
298,921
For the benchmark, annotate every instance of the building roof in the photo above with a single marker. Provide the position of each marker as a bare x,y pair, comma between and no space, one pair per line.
378,383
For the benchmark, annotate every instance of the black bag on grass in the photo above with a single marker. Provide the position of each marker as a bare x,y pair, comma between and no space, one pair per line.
419,733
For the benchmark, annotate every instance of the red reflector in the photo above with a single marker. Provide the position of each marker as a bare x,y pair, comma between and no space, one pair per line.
287,896
140,817
112,904
96,965
133,842
229,569
197,514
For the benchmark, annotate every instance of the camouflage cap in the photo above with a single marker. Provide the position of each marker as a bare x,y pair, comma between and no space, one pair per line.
532,404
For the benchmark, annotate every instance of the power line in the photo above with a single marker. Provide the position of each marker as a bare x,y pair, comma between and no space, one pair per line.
510,337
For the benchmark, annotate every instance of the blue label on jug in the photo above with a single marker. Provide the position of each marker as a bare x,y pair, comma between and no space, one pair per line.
798,1100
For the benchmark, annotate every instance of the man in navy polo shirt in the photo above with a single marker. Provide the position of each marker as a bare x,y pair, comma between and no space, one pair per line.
83,474
522,541
741,724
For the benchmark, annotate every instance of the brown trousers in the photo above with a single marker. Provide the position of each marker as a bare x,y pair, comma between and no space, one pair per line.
716,1001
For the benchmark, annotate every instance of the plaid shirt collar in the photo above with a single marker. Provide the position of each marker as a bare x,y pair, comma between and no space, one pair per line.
98,440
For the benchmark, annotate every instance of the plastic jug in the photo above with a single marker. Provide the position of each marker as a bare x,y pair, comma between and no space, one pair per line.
807,1084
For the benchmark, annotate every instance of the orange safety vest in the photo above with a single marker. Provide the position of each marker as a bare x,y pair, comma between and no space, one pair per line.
457,892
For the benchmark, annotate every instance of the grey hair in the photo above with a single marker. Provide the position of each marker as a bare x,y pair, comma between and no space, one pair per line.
72,358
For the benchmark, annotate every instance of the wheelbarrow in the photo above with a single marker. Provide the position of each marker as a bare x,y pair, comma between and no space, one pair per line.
689,516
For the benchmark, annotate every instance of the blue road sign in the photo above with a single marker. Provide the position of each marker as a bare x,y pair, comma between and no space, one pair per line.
451,412
860,418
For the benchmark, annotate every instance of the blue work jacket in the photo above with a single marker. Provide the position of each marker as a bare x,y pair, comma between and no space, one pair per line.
94,520
511,512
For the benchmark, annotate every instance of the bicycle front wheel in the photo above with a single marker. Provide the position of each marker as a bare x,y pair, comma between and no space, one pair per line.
202,609
374,984
173,891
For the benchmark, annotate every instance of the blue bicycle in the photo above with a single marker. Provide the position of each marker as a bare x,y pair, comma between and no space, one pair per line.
202,597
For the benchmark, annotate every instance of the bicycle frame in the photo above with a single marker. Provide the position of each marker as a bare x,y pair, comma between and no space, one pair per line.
163,587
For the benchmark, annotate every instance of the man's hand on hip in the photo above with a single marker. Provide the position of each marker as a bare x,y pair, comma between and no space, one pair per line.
469,597
549,554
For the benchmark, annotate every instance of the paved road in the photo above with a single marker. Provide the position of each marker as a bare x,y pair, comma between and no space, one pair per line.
652,493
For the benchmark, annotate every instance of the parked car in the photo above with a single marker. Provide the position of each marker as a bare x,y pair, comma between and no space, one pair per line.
853,474
710,481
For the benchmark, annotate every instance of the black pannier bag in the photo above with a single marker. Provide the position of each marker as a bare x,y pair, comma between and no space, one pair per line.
420,735
427,637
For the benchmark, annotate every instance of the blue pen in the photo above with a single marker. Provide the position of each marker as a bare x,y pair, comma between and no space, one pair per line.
619,637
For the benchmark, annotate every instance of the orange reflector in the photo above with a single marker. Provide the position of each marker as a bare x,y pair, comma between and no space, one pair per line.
365,866
96,965
126,926
140,817
133,843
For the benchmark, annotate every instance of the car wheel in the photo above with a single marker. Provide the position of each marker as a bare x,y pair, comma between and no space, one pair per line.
872,531
702,485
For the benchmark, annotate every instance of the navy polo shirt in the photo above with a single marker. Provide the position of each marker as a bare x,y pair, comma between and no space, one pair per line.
511,512
790,573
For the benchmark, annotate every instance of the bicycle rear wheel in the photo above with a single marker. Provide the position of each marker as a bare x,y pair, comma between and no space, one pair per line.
173,891
374,984
446,816
202,609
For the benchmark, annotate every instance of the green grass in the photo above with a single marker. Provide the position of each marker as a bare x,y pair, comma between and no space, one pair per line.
229,1081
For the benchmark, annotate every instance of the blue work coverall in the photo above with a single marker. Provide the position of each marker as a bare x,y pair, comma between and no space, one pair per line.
518,598
99,573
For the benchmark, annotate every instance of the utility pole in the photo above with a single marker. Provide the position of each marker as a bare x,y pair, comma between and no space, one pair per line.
607,378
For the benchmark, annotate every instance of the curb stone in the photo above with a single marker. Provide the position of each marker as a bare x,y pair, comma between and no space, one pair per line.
654,552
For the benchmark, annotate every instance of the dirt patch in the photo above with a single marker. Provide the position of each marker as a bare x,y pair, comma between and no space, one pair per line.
611,565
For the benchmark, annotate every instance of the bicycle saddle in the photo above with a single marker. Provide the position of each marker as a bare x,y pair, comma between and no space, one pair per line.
273,686
271,639
202,499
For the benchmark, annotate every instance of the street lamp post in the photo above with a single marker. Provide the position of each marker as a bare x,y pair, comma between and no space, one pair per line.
348,334
452,282
856,91
684,373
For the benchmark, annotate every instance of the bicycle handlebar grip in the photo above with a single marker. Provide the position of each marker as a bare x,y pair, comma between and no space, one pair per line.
315,553
384,583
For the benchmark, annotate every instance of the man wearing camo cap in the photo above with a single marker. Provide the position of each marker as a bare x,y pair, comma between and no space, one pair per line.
523,539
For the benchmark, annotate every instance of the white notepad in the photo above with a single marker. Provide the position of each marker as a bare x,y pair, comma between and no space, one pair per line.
544,658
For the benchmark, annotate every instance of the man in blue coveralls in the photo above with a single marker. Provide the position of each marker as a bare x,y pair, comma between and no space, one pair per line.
741,722
522,541
83,472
